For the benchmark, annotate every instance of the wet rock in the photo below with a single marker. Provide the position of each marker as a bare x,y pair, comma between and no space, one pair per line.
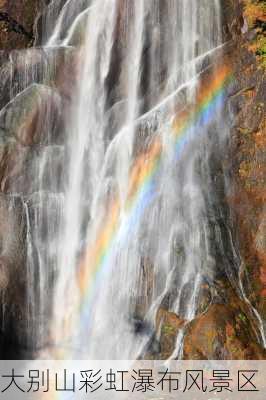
204,298
13,161
13,311
45,211
33,116
141,302
77,32
67,64
49,19
232,19
152,349
19,69
168,324
25,169
165,317
141,327
12,231
54,67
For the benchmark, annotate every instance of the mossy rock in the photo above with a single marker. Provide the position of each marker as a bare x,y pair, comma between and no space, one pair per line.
224,332
168,324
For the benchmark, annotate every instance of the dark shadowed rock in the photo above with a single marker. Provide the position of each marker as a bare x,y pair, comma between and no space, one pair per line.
17,22
13,276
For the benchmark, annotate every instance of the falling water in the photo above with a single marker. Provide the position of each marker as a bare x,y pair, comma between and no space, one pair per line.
123,218
137,56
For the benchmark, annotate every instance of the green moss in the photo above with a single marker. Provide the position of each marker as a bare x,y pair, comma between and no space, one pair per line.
262,45
168,329
255,11
261,51
242,317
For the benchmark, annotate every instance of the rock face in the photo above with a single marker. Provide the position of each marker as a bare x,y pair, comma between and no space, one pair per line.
168,325
248,102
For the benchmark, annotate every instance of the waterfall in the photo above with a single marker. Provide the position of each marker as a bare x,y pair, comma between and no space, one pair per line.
124,135
139,64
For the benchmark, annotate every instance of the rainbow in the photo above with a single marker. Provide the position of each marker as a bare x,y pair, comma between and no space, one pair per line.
210,97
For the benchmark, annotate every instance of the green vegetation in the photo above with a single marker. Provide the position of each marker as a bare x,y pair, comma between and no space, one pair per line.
255,13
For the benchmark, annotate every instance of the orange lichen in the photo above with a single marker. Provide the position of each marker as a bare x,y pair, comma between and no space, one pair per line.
255,14
254,10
